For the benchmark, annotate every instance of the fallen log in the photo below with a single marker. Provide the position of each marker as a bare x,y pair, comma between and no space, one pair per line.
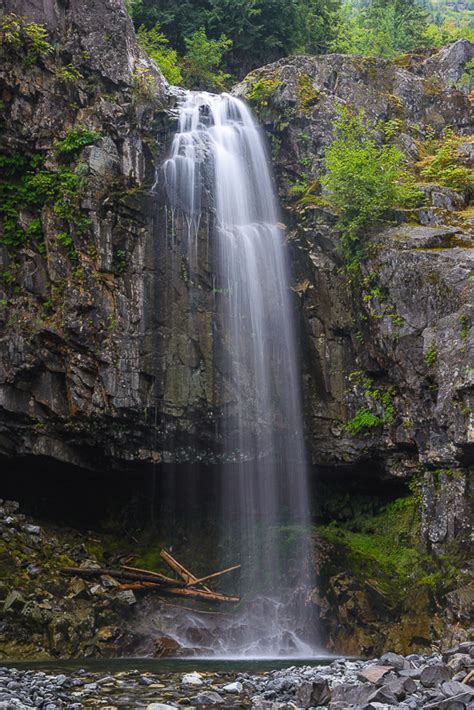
177,567
121,574
148,581
157,575
213,576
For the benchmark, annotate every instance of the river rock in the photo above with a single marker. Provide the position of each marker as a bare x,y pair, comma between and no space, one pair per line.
194,679
209,697
233,688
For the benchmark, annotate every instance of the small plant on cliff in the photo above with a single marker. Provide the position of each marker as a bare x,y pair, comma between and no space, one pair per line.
261,91
363,178
68,74
307,94
75,139
444,166
27,39
363,421
431,355
157,46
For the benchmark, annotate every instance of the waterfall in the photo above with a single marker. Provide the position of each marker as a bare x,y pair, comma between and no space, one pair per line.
218,164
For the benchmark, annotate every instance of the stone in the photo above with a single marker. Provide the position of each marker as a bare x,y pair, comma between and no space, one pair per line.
401,687
160,706
32,529
312,693
394,660
383,695
14,601
433,676
165,646
126,596
193,679
373,673
209,697
345,695
233,688
460,661
453,687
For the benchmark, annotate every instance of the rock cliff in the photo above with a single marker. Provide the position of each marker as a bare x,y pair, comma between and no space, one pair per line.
393,339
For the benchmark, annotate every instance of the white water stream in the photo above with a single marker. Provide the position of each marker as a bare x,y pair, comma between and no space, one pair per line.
218,158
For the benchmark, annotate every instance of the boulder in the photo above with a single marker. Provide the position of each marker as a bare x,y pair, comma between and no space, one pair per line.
374,673
433,676
312,693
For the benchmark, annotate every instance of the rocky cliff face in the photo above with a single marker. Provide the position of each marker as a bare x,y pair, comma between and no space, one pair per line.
393,341
98,364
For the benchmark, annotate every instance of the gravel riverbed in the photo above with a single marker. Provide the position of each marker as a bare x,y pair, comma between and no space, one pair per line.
441,681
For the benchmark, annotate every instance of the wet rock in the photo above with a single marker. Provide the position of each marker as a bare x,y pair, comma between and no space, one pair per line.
433,676
126,596
165,646
233,688
14,601
32,529
210,697
193,679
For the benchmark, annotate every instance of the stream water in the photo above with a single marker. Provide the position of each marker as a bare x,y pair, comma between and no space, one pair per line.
218,164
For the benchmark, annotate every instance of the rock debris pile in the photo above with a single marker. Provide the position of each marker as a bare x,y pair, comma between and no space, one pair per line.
441,681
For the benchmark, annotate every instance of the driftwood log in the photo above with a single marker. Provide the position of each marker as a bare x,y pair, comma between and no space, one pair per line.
139,579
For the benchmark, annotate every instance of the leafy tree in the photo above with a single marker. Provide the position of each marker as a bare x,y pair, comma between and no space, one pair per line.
260,30
157,46
447,32
202,60
363,178
383,28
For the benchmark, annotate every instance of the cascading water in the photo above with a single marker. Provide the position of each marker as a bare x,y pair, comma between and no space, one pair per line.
218,159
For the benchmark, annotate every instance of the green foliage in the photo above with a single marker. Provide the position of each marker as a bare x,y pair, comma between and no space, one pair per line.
444,166
465,327
261,91
26,186
383,28
363,179
68,74
260,30
157,46
144,86
202,60
365,419
75,139
448,32
431,355
466,79
307,94
362,421
26,39
388,538
383,547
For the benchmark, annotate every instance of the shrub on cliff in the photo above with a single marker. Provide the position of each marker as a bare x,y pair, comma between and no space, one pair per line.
157,46
363,178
